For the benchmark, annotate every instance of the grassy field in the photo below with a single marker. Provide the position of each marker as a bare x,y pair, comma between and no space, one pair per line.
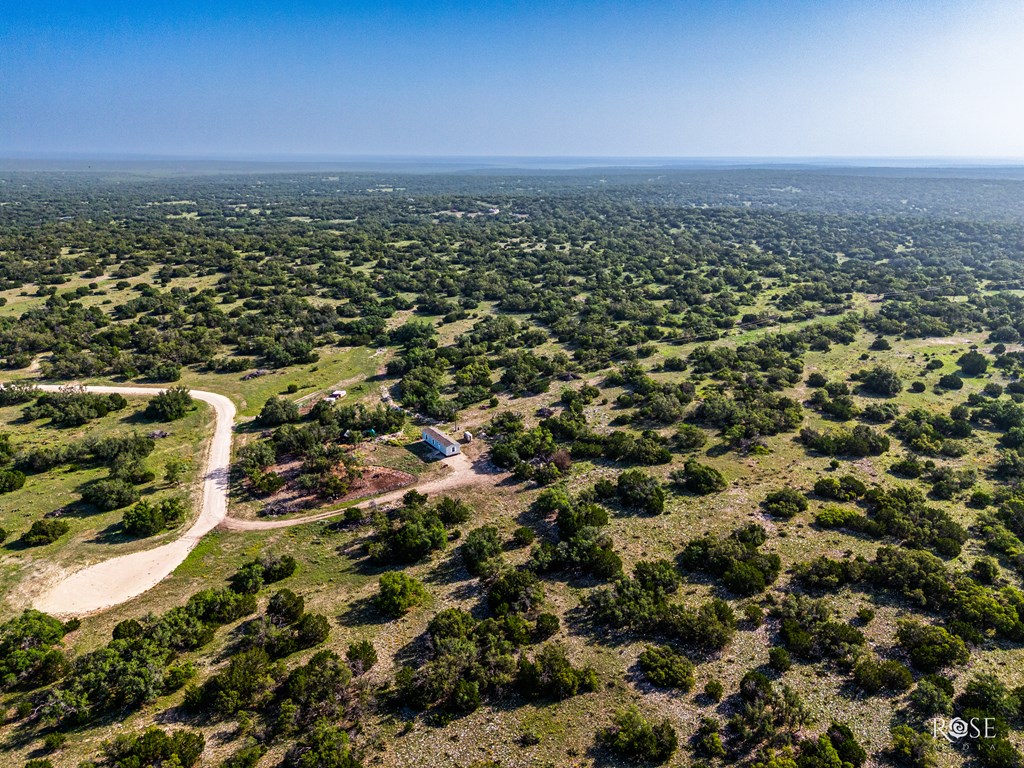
336,579
94,535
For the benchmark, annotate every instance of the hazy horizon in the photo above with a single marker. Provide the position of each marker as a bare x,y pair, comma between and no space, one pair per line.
740,80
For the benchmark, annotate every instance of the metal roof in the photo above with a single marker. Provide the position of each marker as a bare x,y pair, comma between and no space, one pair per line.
440,436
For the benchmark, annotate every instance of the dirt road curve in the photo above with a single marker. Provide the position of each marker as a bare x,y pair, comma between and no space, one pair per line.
119,579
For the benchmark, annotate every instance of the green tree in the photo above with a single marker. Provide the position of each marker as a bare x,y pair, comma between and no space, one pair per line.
277,411
398,594
633,736
170,405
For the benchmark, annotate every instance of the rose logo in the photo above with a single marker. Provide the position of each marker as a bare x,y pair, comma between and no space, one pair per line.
958,728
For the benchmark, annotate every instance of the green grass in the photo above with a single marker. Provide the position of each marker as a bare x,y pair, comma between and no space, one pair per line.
94,535
338,368
335,578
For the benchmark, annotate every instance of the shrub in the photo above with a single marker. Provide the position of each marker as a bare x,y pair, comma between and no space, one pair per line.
398,593
637,489
707,741
515,591
481,545
247,756
170,405
247,682
744,578
547,624
419,532
832,516
663,666
980,499
311,629
810,631
73,407
29,656
17,392
881,380
930,647
933,696
689,438
323,745
985,570
54,741
699,478
845,488
779,659
44,532
277,568
176,677
951,381
156,747
973,363
714,690
873,676
146,519
524,535
846,745
784,503
911,748
353,516
277,411
285,608
317,689
859,441
552,675
362,656
633,736
909,466
902,512
110,494
657,575
11,480
453,511
248,579
735,558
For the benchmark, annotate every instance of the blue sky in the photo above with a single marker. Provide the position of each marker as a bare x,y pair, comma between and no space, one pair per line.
733,78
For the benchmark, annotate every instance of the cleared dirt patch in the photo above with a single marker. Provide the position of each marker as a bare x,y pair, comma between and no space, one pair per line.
373,480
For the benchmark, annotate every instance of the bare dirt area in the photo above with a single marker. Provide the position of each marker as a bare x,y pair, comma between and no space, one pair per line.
371,481
463,472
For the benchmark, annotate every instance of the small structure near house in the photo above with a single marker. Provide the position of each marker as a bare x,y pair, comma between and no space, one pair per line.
335,396
439,441
467,436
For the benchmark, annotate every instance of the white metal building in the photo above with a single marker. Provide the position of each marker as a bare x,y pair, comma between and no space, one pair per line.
438,440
